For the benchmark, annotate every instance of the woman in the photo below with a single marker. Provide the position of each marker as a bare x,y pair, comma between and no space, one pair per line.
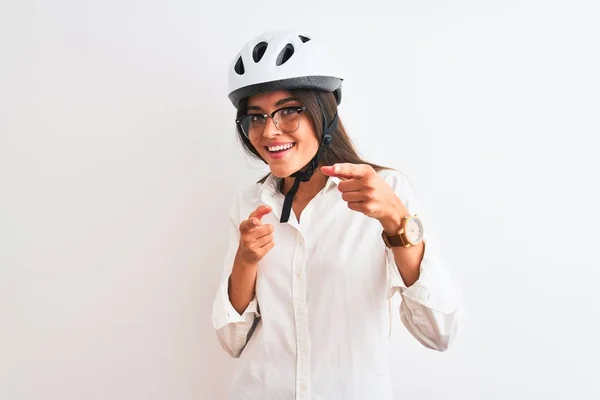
320,245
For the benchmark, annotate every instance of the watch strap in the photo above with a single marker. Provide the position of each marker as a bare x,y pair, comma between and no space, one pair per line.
394,240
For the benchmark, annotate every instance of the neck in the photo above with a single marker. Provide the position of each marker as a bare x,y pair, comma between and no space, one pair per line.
306,190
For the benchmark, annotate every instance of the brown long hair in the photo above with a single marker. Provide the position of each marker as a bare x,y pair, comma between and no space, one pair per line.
341,149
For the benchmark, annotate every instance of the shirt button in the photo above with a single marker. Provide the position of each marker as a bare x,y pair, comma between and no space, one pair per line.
299,274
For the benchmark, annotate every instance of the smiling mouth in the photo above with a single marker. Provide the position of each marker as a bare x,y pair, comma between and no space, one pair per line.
280,148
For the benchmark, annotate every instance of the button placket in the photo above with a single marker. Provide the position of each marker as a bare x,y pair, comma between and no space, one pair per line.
301,320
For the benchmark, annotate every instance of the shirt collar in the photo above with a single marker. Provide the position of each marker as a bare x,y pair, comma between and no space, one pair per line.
269,190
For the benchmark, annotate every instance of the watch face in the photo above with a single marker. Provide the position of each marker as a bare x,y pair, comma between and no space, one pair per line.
414,230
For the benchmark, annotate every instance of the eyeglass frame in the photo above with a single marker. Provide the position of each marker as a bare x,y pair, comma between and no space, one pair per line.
299,110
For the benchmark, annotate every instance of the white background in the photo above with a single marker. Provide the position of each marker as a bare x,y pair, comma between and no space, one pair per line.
118,163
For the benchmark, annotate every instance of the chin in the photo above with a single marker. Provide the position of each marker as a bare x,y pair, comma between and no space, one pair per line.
282,171
279,172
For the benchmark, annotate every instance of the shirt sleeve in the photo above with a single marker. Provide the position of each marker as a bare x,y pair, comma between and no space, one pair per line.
431,308
233,329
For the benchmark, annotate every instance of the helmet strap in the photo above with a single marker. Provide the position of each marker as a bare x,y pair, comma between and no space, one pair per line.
304,175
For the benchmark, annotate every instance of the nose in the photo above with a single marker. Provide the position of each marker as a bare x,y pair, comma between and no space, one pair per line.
271,129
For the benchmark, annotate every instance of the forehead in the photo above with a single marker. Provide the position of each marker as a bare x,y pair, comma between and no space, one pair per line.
269,99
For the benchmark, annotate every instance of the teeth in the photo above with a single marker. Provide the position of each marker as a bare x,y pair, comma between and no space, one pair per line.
282,147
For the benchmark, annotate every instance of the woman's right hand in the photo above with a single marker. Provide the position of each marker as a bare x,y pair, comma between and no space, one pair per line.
256,238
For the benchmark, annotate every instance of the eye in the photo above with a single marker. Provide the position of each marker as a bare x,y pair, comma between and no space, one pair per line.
256,118
286,112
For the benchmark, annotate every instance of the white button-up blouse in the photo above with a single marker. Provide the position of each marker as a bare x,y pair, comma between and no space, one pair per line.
318,326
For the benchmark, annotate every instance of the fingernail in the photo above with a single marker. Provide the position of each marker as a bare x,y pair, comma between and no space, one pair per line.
335,168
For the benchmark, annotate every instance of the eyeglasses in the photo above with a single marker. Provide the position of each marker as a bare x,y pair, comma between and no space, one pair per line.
286,119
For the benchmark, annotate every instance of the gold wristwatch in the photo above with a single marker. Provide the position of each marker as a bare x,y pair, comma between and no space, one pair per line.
409,234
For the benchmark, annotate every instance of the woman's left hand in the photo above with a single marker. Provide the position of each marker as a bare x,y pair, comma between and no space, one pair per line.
365,191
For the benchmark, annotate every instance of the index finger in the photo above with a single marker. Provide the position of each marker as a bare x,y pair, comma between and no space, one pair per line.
347,170
260,212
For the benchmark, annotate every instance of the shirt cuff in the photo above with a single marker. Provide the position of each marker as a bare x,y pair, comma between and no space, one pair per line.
434,289
224,313
395,282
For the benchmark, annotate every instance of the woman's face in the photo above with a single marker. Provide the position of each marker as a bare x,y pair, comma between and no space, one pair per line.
285,151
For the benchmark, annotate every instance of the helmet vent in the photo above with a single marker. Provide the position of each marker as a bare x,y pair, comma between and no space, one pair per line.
285,54
239,66
304,38
259,51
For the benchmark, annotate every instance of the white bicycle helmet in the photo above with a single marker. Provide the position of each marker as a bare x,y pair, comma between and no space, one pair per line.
283,60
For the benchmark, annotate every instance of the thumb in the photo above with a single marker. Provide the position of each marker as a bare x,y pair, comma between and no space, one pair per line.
256,215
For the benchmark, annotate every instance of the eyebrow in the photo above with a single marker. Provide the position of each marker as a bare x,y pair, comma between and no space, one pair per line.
279,102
